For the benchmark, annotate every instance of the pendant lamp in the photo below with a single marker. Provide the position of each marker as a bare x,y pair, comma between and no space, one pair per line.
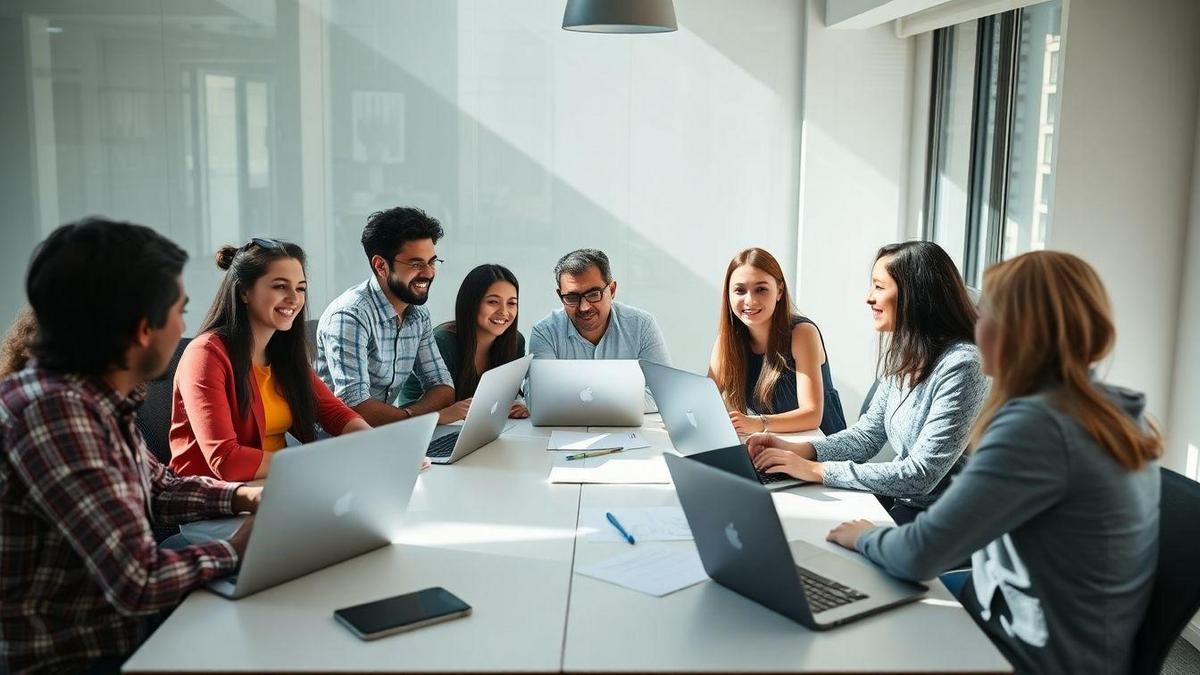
619,16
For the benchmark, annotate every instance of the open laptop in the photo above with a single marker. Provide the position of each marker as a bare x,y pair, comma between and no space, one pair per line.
600,393
486,417
697,422
743,548
323,503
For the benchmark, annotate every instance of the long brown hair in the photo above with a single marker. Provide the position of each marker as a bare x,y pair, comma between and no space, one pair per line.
1054,321
933,310
733,339
287,350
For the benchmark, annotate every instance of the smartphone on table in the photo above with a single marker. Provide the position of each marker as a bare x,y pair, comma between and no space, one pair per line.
402,613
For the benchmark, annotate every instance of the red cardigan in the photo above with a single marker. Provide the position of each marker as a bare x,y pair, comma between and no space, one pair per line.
208,436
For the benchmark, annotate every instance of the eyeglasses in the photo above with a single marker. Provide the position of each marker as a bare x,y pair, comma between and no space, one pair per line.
420,265
592,295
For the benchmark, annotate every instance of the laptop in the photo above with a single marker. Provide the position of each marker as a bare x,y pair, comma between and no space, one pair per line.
323,503
486,417
698,423
743,547
600,393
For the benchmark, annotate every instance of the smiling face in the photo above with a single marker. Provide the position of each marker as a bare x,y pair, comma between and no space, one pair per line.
753,295
882,296
410,285
590,318
277,296
498,309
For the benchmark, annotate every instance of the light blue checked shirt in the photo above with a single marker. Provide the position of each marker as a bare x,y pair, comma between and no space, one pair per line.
365,350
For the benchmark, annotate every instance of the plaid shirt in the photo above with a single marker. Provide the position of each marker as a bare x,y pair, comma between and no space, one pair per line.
79,569
365,350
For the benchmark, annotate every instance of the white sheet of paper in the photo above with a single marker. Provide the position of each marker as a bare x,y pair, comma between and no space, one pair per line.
654,570
610,469
650,523
583,440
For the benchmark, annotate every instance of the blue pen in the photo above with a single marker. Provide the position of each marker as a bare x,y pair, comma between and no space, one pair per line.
617,524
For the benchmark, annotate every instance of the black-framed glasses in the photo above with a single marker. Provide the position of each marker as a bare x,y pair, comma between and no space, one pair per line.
592,295
420,265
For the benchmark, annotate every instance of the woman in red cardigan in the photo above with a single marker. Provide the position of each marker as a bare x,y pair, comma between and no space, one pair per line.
245,380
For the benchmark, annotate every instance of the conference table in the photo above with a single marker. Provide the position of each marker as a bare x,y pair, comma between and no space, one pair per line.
493,530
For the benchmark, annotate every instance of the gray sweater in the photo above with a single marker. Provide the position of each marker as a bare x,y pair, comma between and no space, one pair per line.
927,426
1065,540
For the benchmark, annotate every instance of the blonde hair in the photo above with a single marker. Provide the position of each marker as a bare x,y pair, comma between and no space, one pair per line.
1055,322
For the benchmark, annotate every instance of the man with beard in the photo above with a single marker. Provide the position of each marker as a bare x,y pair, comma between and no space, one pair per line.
591,323
81,579
372,336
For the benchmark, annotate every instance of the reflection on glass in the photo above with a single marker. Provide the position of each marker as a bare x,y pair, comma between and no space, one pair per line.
954,158
1031,161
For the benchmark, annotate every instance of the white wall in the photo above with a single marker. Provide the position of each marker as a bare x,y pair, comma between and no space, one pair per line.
1183,452
1124,170
671,152
857,88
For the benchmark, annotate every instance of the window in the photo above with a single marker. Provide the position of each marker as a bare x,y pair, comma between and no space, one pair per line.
990,172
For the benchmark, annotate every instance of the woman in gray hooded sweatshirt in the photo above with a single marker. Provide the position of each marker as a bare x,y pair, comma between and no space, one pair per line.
1059,503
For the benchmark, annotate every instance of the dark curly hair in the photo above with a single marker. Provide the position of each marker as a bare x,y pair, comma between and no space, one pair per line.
387,231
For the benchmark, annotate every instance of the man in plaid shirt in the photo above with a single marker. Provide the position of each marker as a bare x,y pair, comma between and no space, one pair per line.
373,336
81,577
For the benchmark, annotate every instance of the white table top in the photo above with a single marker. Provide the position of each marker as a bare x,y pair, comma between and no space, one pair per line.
493,530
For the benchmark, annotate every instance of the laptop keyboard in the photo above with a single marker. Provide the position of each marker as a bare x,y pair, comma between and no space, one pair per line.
768,478
442,446
825,594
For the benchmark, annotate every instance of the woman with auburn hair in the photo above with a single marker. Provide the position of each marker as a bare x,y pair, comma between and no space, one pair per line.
769,362
245,381
1059,503
14,349
931,388
484,327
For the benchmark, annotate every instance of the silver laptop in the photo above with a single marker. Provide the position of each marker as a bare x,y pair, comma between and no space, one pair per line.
486,417
600,393
743,548
323,503
698,422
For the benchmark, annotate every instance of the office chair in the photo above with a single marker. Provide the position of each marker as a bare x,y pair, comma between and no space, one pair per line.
310,339
154,421
1175,597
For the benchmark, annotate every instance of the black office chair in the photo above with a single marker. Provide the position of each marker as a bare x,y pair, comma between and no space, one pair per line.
1175,597
154,421
310,339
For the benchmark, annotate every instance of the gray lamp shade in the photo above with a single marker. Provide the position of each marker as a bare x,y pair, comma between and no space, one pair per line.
620,16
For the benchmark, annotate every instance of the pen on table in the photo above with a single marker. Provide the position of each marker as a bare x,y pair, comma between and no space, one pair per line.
594,453
617,524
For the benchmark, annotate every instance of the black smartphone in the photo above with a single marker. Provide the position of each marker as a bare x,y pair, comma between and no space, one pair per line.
401,613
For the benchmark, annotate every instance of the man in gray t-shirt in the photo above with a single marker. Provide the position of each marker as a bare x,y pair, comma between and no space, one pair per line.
591,324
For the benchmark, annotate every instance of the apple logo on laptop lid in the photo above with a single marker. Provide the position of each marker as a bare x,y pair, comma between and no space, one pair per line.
586,395
691,418
495,405
731,534
342,506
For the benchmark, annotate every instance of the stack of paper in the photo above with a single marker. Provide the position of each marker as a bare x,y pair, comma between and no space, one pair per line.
654,570
611,468
584,440
651,523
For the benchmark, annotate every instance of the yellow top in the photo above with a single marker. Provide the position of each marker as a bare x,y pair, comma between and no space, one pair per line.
277,416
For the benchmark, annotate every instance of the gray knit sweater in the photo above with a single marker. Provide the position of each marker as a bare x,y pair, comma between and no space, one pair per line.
927,426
